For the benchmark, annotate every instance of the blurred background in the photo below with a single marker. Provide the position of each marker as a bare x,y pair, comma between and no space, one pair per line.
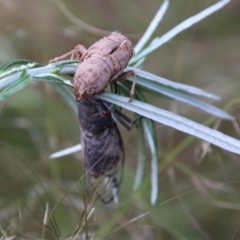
199,185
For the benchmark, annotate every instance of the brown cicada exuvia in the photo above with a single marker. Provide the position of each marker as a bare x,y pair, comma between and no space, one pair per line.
102,148
101,64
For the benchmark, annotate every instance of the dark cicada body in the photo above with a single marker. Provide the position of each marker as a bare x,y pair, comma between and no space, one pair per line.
102,148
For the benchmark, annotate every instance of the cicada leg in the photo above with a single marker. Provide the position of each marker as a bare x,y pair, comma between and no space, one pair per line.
125,75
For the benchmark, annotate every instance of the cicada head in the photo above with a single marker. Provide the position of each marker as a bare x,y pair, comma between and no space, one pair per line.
94,115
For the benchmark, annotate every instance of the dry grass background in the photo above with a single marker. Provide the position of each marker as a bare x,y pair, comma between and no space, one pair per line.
198,195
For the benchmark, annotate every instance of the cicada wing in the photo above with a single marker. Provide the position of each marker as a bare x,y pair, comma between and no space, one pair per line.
107,185
104,163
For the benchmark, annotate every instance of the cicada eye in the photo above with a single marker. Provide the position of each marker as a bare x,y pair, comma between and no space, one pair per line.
106,114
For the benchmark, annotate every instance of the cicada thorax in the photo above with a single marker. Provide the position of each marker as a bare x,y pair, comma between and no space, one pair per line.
102,146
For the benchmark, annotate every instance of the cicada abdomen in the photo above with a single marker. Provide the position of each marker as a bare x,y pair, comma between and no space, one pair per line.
102,148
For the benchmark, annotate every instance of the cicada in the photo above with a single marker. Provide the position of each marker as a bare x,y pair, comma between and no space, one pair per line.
102,148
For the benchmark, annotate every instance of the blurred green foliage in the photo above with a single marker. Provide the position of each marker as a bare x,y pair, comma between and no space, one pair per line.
199,185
